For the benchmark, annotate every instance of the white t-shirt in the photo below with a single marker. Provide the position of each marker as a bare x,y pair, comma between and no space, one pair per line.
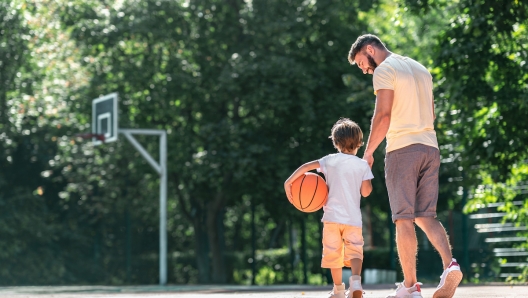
344,174
412,117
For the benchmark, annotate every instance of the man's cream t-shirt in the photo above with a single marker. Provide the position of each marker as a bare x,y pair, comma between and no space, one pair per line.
412,117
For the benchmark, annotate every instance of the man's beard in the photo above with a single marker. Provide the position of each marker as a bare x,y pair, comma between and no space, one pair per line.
371,62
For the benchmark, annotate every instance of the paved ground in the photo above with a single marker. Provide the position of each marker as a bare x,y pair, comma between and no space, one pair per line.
285,291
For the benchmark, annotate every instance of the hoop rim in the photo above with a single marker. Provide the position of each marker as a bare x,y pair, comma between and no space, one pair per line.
99,137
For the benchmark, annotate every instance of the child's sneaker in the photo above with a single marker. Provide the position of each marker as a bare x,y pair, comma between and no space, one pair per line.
355,290
403,292
449,281
338,291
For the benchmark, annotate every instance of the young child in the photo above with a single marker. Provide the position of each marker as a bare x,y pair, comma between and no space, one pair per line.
348,178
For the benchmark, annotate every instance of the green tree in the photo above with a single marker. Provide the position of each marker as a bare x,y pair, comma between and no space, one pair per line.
246,90
481,62
31,78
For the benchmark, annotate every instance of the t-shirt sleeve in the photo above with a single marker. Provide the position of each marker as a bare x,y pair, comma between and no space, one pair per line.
322,165
367,175
384,77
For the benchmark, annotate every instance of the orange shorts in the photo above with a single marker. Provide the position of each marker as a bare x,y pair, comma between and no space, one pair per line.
335,254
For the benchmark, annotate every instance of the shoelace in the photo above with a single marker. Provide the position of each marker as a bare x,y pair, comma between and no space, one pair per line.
331,294
400,284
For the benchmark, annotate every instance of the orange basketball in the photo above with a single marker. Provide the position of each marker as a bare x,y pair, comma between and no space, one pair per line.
310,192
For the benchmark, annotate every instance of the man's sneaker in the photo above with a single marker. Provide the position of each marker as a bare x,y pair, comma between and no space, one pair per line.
449,281
403,292
338,292
355,290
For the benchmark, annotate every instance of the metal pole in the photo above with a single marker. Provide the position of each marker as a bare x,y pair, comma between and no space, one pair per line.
128,244
163,209
465,236
303,253
161,168
253,243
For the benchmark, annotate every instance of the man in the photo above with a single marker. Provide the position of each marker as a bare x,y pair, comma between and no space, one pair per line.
404,114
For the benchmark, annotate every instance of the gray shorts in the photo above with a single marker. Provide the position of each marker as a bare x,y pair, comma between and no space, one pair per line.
411,175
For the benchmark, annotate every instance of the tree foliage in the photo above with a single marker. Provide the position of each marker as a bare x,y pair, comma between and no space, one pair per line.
247,91
480,60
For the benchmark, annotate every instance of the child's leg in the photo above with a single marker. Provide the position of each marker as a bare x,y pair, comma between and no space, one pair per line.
355,280
354,255
355,266
333,252
337,275
339,287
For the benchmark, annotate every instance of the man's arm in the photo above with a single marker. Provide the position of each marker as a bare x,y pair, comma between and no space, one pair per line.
380,123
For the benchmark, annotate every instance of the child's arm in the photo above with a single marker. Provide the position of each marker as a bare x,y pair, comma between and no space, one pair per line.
366,188
312,165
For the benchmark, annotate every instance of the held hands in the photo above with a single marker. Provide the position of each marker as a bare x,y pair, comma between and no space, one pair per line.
369,158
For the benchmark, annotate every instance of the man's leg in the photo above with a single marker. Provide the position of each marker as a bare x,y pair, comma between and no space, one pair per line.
425,212
407,248
401,177
437,235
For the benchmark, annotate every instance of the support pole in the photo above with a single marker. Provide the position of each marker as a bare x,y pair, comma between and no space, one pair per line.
163,209
253,243
161,169
465,236
303,251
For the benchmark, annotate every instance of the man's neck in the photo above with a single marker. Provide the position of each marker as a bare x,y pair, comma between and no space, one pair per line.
382,55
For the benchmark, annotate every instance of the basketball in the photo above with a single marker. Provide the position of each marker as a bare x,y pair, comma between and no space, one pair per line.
310,192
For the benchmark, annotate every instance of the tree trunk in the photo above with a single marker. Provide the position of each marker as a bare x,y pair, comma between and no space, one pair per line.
215,218
201,251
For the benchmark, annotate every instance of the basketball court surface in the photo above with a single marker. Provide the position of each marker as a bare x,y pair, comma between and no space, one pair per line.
217,291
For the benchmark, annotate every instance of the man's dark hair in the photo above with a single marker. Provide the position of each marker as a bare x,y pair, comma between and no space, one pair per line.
363,41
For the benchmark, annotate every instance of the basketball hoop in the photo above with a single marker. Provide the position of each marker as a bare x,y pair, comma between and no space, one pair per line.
87,136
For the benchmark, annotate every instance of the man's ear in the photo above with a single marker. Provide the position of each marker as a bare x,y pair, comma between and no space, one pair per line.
370,49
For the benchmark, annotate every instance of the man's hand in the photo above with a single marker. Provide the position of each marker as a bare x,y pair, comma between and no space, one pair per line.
380,123
288,190
369,158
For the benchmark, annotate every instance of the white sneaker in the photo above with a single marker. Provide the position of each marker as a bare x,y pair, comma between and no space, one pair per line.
403,292
355,290
449,281
338,292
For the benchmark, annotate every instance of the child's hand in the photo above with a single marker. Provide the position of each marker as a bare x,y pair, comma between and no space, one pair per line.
287,189
369,158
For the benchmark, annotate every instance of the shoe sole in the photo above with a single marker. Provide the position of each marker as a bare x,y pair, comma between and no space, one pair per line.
451,283
357,294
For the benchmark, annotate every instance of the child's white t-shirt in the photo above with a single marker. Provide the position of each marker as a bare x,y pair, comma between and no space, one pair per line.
344,174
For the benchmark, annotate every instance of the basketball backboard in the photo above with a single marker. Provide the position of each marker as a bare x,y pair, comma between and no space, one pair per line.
104,118
105,129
